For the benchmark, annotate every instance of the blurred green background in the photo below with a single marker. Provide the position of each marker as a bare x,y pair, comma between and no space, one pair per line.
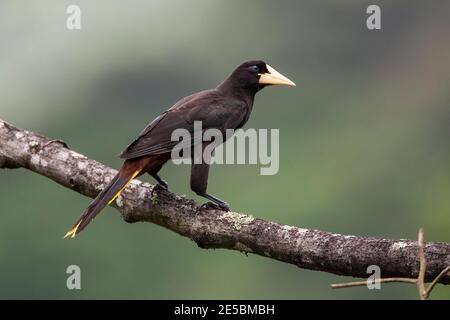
364,136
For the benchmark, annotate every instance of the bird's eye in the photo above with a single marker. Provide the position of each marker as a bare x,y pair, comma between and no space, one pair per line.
254,68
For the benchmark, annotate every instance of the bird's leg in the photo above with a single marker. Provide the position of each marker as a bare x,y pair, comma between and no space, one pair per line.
215,204
161,183
199,183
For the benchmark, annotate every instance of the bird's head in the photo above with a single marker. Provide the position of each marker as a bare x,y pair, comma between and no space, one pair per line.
257,74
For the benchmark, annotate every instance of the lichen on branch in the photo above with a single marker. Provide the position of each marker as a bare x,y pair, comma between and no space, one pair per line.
309,249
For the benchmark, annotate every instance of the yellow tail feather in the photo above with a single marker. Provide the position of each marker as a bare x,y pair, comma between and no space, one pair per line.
73,231
117,194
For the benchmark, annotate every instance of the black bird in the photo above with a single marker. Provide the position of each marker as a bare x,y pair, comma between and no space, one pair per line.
228,106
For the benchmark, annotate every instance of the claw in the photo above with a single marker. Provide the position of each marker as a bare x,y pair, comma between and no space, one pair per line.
56,141
159,187
223,206
163,184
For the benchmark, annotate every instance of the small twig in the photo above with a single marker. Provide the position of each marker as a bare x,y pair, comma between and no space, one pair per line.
424,292
435,281
422,268
364,283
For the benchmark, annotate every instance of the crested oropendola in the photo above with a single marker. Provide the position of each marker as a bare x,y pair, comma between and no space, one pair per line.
228,106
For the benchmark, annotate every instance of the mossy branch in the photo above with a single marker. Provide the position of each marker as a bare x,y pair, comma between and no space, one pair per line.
305,248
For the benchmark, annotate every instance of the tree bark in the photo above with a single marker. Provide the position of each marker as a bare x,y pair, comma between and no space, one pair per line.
310,249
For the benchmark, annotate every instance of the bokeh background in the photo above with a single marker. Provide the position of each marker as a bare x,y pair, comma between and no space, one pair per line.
364,136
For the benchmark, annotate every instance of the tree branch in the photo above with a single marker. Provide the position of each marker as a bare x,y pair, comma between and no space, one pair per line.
424,292
309,249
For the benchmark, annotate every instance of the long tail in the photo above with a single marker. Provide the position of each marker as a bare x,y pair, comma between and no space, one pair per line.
104,198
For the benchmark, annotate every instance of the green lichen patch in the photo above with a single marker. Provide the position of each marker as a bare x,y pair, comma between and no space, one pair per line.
238,220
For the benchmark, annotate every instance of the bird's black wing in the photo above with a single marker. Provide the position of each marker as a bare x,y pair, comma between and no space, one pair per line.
210,107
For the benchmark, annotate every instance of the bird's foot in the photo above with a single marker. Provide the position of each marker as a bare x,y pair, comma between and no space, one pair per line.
223,206
159,187
55,141
163,185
